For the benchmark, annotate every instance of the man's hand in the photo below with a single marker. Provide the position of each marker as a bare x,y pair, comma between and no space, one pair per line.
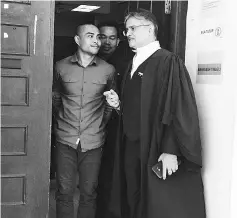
169,162
56,101
112,98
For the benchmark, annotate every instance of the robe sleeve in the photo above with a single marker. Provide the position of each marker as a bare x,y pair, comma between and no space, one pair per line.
169,142
180,116
111,84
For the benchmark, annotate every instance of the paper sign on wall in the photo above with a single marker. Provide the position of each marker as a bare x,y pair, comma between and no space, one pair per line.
211,34
210,8
209,68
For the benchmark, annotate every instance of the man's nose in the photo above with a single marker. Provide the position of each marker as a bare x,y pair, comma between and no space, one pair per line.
128,32
96,40
107,41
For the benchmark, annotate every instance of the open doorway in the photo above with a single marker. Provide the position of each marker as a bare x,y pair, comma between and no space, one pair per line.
65,25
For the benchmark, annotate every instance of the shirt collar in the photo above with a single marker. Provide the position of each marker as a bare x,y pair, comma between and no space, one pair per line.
75,59
153,46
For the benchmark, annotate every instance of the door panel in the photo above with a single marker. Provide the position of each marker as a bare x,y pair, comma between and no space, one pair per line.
26,81
15,39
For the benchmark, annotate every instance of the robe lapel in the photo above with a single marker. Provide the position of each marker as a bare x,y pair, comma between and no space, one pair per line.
128,70
148,82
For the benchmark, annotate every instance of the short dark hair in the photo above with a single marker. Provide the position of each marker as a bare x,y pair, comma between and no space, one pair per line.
147,15
110,24
78,29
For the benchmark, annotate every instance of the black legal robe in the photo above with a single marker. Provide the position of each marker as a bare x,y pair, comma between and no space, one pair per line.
169,119
119,60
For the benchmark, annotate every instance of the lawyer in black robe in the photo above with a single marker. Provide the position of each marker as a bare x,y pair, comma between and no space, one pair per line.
168,118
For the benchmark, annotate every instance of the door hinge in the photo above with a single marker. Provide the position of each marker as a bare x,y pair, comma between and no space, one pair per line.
167,6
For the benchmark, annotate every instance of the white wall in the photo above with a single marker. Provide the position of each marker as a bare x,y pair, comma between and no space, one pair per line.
216,98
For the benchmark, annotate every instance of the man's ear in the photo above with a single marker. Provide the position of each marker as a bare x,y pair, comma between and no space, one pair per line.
77,39
151,29
118,40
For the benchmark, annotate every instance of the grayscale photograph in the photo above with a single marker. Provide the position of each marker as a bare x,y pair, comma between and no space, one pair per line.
118,109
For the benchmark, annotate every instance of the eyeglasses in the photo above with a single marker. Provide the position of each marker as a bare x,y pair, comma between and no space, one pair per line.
133,28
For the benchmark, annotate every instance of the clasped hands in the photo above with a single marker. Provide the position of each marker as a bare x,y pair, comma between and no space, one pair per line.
169,161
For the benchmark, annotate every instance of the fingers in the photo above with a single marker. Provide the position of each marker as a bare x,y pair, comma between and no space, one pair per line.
169,163
176,167
112,98
106,93
160,158
112,92
164,170
168,170
112,103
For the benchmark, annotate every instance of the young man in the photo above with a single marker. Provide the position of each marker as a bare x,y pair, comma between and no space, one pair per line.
158,122
82,114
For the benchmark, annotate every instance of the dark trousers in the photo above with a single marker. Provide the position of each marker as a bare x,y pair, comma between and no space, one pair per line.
69,161
106,169
132,168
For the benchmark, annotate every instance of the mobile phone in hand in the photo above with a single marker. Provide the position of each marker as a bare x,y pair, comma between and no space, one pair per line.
158,169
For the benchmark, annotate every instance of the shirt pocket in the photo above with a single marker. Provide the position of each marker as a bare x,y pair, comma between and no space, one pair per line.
98,86
71,85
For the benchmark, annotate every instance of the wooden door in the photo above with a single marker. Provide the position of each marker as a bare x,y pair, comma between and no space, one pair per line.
26,81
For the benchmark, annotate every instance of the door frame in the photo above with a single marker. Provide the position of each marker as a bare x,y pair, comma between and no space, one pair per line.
178,27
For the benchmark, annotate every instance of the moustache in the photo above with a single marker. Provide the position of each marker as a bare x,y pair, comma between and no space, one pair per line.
95,45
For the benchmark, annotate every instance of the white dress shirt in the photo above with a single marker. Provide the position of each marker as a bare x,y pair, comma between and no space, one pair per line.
143,53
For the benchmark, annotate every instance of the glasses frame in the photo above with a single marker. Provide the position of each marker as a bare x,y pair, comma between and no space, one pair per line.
133,28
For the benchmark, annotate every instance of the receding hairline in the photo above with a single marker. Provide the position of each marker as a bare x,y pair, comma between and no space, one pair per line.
136,16
145,16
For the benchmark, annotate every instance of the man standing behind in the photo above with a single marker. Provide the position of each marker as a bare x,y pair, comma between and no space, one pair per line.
159,122
111,53
113,50
81,116
109,37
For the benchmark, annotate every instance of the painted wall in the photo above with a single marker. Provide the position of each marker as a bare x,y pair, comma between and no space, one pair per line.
67,22
211,46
